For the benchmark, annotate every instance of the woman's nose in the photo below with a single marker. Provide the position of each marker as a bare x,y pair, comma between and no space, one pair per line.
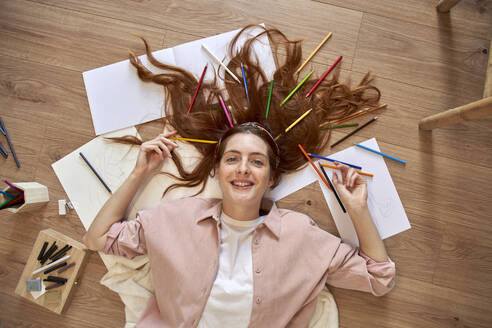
243,167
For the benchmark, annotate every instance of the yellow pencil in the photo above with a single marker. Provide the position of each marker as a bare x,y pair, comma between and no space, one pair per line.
299,119
315,51
336,168
194,140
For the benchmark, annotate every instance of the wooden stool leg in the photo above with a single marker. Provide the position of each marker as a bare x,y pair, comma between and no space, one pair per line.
445,5
472,111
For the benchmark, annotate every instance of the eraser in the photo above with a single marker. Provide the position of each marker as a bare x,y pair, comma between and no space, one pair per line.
62,210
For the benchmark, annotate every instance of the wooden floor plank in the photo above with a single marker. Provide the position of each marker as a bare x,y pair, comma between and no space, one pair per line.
298,19
423,67
422,56
467,17
63,38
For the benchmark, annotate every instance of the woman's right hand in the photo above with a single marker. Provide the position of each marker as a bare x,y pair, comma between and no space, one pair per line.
153,152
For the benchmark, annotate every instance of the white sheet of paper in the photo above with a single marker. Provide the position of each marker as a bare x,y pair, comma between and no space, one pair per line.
113,162
383,200
119,99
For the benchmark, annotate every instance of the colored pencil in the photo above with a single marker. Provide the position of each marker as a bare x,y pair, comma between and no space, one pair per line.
245,83
296,88
218,61
315,51
3,129
95,172
20,191
269,99
334,160
333,188
339,126
314,166
225,111
197,88
380,153
7,194
11,201
336,168
360,113
298,120
194,140
3,151
356,130
323,76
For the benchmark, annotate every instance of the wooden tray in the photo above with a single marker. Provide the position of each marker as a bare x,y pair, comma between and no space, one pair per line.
77,252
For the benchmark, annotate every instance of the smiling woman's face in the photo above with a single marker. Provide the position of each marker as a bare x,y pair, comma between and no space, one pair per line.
243,172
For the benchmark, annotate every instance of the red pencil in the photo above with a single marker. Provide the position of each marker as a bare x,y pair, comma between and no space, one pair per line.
324,75
197,88
314,166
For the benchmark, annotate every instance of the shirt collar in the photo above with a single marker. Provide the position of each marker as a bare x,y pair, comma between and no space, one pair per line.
272,221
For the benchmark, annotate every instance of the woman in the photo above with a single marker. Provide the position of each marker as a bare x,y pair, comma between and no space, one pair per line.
240,261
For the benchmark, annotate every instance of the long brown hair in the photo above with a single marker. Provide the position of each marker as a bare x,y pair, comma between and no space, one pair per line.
332,100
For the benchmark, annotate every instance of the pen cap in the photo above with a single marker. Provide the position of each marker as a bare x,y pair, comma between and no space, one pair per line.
35,196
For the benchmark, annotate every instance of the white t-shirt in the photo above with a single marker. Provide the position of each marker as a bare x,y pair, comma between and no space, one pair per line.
231,298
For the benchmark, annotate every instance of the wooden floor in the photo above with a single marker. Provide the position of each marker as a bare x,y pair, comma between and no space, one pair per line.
425,63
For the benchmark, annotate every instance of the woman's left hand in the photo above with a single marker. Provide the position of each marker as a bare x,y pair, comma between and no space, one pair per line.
352,189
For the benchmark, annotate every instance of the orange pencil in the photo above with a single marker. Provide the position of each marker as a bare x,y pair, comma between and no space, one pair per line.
336,168
360,113
314,166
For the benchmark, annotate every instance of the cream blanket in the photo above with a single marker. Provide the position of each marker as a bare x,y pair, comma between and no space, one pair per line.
131,279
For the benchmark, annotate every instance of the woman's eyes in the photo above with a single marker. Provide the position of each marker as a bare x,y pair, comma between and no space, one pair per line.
256,162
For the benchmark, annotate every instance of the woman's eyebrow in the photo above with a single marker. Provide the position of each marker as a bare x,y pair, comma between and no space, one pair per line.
238,152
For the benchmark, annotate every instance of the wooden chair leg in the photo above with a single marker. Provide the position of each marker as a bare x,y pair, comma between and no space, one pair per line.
472,111
487,90
444,5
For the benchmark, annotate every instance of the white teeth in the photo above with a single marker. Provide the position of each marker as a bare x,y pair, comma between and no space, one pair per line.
241,184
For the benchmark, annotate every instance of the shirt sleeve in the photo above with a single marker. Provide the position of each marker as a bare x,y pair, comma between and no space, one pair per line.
126,238
352,269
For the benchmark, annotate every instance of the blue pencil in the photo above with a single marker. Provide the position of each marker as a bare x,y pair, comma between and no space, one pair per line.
334,160
245,84
380,153
7,194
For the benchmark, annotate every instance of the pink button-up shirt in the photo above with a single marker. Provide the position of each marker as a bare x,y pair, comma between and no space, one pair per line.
292,260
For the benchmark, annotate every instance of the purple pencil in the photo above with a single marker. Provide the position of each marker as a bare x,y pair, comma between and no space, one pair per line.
225,111
14,187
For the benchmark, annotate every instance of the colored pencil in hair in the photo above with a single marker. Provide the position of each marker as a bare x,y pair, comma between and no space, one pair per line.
225,111
218,61
296,88
380,153
336,168
334,160
197,88
298,120
339,126
333,188
354,131
269,99
314,166
95,172
323,76
245,83
360,113
194,140
315,51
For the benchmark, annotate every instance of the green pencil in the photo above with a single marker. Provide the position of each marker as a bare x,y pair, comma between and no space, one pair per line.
269,99
293,91
339,126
